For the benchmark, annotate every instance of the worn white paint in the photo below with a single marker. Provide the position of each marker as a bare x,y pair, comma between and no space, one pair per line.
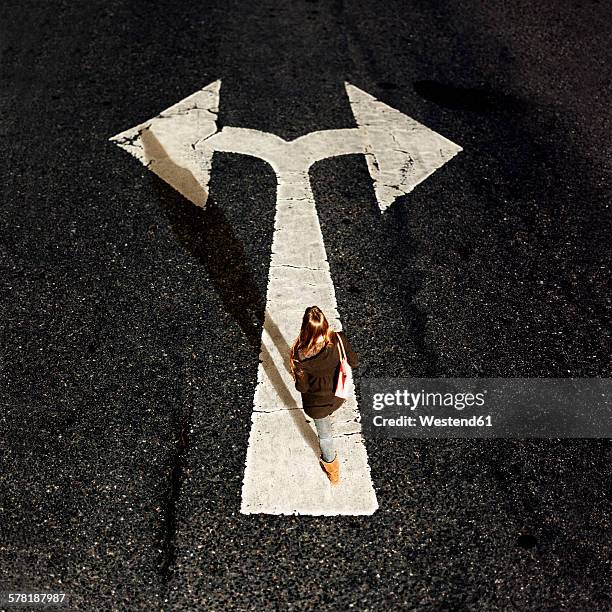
282,475
171,143
400,151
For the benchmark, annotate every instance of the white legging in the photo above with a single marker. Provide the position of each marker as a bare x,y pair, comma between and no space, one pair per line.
326,438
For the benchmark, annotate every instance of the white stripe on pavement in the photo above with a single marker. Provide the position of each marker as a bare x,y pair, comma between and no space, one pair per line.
282,472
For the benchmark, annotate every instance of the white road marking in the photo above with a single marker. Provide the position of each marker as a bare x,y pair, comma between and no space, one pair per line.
282,475
400,152
167,144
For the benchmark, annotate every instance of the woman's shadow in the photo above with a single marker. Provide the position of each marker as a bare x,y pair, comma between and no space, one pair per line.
207,235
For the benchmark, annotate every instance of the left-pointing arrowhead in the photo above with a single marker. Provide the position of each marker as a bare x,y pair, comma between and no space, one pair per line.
173,144
400,151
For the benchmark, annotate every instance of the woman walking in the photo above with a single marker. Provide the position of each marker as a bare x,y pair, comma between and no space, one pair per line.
315,364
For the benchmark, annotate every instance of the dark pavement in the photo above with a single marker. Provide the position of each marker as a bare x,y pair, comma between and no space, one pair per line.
131,320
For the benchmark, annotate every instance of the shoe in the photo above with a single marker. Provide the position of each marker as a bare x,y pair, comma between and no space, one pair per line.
332,469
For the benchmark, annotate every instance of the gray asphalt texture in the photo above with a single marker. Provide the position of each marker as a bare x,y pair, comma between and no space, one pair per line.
131,319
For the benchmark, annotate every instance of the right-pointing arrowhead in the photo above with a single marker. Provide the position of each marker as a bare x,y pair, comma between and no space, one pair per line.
400,151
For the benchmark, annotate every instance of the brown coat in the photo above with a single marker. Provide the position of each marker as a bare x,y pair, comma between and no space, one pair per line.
317,376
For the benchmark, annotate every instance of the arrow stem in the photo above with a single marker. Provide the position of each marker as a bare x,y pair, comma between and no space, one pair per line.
299,277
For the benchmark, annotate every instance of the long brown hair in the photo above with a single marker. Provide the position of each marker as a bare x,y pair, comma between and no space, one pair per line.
314,324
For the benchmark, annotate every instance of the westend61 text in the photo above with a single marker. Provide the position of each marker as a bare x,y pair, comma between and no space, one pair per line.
427,399
487,407
430,421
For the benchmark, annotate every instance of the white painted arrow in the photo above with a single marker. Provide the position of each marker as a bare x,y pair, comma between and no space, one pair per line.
282,475
400,151
172,144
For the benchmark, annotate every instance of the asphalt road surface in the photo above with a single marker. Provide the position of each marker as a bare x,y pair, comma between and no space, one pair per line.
131,319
